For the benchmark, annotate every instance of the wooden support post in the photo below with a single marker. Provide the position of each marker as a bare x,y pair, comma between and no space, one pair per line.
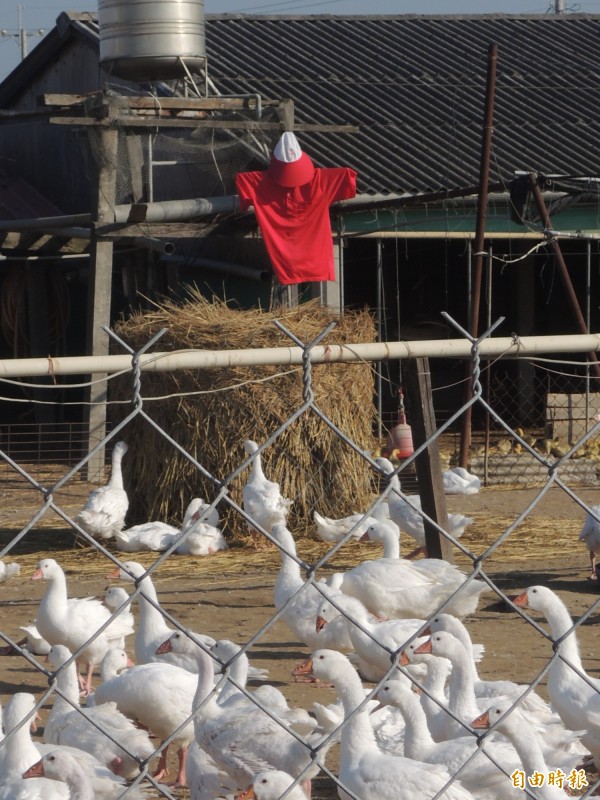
99,295
38,328
482,203
417,383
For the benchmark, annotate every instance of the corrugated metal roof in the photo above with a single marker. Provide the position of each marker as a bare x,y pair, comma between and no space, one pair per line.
416,87
19,200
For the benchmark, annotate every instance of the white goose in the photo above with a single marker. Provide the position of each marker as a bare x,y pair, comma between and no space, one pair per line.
261,498
32,642
156,536
230,655
240,740
394,587
365,771
458,480
301,601
526,741
72,621
98,729
488,688
205,780
333,530
159,696
434,699
9,570
479,774
106,507
574,694
271,785
200,534
20,753
152,629
465,705
116,599
407,513
374,641
462,703
387,533
61,766
590,536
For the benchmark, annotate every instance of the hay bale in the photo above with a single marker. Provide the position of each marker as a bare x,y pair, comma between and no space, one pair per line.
210,413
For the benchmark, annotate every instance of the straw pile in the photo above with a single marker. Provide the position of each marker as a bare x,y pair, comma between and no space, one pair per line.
211,412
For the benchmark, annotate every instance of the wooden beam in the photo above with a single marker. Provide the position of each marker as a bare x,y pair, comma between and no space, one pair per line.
155,230
429,470
186,122
99,293
155,104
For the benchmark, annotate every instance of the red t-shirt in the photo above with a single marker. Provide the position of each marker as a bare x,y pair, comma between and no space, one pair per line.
295,222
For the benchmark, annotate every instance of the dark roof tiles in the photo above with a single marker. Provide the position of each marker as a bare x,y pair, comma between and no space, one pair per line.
416,87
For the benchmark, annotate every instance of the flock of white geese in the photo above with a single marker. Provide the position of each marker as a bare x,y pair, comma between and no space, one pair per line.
413,718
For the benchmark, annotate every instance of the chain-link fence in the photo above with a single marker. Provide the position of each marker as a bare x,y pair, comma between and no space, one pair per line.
397,620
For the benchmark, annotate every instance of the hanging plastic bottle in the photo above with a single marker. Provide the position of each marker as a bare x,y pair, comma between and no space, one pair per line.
400,437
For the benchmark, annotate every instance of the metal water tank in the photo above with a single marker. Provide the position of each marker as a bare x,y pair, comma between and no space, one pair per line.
144,39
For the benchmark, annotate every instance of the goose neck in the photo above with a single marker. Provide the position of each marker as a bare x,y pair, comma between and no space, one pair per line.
357,732
18,751
560,622
289,578
204,690
527,744
391,544
77,782
66,681
55,596
116,472
148,602
238,672
461,689
418,740
256,470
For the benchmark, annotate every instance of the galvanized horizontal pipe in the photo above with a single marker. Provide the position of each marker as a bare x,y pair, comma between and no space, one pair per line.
284,356
174,210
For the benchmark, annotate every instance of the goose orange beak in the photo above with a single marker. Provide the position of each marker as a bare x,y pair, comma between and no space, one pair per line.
114,574
482,721
425,647
305,668
165,647
37,575
521,600
403,661
320,623
35,770
247,794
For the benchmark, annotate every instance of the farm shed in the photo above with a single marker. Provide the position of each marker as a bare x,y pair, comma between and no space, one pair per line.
398,98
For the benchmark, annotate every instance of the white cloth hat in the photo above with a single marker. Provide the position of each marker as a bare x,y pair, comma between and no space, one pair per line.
287,148
290,166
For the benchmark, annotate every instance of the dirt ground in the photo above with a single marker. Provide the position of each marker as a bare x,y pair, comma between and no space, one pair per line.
230,594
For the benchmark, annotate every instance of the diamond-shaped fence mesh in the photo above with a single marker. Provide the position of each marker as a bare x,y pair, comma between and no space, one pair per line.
236,650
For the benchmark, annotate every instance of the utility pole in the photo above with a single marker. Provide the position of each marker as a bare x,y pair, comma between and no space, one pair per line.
22,35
